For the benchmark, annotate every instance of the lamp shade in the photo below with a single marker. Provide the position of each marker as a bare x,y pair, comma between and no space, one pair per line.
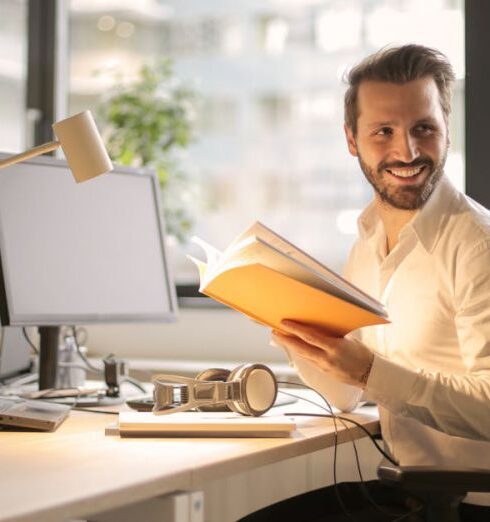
83,146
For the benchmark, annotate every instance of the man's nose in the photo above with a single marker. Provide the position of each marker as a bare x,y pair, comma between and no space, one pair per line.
406,148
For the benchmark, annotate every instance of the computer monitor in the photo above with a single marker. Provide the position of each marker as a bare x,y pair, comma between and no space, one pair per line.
75,254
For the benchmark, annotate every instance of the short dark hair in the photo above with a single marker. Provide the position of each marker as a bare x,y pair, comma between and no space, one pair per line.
399,65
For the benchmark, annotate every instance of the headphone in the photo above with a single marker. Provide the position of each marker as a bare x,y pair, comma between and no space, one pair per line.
249,389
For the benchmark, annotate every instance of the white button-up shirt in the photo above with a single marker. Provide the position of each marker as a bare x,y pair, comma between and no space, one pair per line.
431,370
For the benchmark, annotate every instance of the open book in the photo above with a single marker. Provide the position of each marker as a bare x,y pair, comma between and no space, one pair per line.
269,279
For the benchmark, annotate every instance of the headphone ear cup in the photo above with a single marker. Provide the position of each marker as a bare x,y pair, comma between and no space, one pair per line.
214,374
257,387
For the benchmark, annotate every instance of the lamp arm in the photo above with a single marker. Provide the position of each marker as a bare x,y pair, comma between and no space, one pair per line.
36,151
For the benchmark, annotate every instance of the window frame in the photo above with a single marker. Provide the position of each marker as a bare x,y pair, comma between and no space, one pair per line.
41,64
477,101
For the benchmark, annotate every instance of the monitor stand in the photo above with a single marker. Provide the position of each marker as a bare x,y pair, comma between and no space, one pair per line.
48,369
48,356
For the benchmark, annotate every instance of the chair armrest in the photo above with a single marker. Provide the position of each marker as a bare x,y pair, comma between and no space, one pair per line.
435,478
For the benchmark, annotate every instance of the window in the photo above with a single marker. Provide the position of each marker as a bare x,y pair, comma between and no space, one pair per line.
13,74
270,143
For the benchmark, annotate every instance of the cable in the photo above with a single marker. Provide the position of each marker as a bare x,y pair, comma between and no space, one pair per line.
356,454
106,412
82,356
343,419
135,383
346,419
72,365
90,366
332,415
20,380
373,440
363,487
31,344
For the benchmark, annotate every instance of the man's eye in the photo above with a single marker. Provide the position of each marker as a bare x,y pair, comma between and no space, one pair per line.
384,131
424,129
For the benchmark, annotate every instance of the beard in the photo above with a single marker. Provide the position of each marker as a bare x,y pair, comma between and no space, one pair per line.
410,197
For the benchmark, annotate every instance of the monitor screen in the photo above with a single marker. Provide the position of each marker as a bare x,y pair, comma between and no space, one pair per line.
81,253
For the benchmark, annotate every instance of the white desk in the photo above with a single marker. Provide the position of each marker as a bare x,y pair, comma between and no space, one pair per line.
78,472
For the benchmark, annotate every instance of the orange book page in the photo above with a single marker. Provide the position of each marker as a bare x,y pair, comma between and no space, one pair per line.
273,239
268,297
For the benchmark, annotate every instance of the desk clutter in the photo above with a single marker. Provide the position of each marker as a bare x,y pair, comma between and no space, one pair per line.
216,403
228,403
16,412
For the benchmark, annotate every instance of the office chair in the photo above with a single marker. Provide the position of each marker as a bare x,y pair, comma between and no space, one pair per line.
440,489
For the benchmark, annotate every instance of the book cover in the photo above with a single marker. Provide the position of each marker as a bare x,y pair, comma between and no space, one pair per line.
203,424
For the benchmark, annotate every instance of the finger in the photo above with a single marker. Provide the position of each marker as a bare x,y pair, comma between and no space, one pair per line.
279,338
310,334
273,340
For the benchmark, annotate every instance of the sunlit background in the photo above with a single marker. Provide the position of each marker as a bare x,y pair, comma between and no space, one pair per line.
269,142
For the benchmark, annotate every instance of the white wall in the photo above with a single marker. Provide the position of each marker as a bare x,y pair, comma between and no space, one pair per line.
199,334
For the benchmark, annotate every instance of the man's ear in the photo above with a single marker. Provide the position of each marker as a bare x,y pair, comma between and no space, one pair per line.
351,142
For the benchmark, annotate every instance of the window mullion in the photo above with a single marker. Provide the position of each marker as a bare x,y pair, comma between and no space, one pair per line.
41,70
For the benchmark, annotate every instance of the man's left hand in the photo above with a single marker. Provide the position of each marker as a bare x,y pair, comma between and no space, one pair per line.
347,360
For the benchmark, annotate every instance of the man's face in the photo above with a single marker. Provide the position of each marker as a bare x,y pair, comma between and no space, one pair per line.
401,140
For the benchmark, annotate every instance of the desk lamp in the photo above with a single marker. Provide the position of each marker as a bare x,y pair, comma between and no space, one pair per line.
87,158
81,142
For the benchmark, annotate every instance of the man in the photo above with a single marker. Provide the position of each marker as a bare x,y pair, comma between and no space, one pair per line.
424,251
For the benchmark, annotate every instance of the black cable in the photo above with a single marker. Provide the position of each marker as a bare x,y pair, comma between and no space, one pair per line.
356,455
343,419
332,415
358,465
105,412
373,440
346,419
31,344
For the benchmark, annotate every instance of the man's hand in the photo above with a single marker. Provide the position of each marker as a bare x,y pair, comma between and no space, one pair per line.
347,360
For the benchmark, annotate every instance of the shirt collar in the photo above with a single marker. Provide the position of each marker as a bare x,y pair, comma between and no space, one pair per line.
368,221
427,223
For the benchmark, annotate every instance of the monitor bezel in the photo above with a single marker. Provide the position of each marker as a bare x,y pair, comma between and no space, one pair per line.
169,316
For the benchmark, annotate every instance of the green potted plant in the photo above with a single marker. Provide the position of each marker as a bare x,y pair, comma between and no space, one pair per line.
144,124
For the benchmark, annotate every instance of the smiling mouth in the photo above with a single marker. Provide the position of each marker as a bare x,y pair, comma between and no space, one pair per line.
408,174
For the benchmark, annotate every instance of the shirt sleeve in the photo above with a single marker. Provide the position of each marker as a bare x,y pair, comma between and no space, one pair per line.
458,405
